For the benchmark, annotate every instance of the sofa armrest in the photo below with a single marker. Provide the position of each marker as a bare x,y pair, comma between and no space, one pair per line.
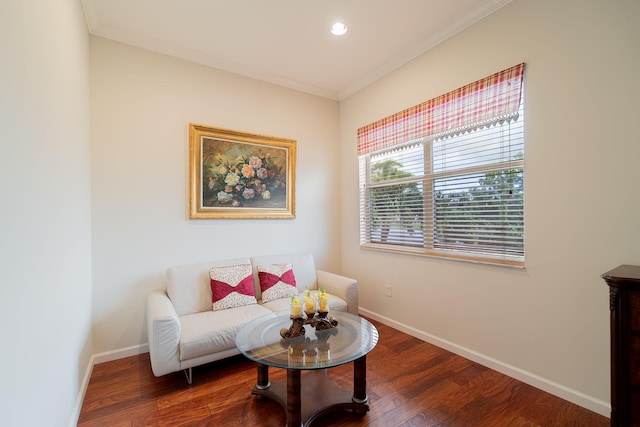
163,333
344,287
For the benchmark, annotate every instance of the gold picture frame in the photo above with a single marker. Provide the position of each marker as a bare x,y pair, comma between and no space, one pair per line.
240,175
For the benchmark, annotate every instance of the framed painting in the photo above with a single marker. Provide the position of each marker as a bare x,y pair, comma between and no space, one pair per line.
240,175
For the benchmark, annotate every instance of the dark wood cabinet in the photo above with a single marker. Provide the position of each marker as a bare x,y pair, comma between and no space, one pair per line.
624,304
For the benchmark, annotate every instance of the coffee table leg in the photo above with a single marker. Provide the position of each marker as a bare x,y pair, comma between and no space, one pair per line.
360,380
294,403
263,377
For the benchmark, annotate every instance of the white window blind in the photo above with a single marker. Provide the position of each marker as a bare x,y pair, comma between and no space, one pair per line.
457,193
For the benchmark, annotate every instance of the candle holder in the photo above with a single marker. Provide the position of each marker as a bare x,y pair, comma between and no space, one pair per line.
295,330
321,321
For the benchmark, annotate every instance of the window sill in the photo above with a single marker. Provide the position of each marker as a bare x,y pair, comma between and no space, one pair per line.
457,256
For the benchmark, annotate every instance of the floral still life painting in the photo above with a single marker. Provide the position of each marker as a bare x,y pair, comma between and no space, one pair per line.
240,175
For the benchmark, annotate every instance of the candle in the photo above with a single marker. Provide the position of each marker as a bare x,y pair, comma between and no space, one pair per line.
323,301
309,303
296,307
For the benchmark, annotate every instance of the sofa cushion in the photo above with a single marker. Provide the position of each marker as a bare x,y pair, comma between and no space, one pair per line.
211,332
276,281
232,286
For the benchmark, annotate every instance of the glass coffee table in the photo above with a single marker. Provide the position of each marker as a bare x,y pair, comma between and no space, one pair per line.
307,397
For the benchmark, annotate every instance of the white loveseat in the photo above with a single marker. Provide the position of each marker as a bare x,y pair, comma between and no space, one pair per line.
184,331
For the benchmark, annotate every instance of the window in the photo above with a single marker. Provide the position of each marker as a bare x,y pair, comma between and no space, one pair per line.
446,178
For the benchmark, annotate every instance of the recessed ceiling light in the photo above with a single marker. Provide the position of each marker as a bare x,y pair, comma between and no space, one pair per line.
338,29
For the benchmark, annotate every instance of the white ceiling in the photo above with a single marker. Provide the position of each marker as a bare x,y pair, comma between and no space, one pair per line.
288,42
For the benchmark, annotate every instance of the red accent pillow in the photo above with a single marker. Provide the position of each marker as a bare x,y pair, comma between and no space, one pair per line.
276,281
232,286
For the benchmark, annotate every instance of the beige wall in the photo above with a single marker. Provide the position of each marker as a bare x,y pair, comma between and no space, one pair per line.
142,104
547,323
45,215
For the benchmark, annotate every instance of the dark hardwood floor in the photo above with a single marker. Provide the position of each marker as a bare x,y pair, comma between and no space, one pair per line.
409,382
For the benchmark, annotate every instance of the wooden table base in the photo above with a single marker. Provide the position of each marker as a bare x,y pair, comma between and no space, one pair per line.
307,397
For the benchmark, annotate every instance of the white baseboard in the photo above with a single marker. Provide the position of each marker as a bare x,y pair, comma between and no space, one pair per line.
97,359
108,356
81,393
589,402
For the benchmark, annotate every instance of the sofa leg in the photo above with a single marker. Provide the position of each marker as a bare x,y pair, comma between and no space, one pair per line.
189,374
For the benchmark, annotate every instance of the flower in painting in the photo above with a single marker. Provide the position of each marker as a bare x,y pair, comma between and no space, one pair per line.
244,180
255,162
258,188
248,171
262,173
248,193
224,197
232,178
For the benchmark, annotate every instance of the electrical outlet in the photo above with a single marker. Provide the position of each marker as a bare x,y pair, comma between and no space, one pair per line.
388,290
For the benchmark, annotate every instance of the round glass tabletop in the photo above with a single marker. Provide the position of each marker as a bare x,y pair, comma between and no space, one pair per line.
352,338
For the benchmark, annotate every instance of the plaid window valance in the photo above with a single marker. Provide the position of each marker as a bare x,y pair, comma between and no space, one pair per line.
476,104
